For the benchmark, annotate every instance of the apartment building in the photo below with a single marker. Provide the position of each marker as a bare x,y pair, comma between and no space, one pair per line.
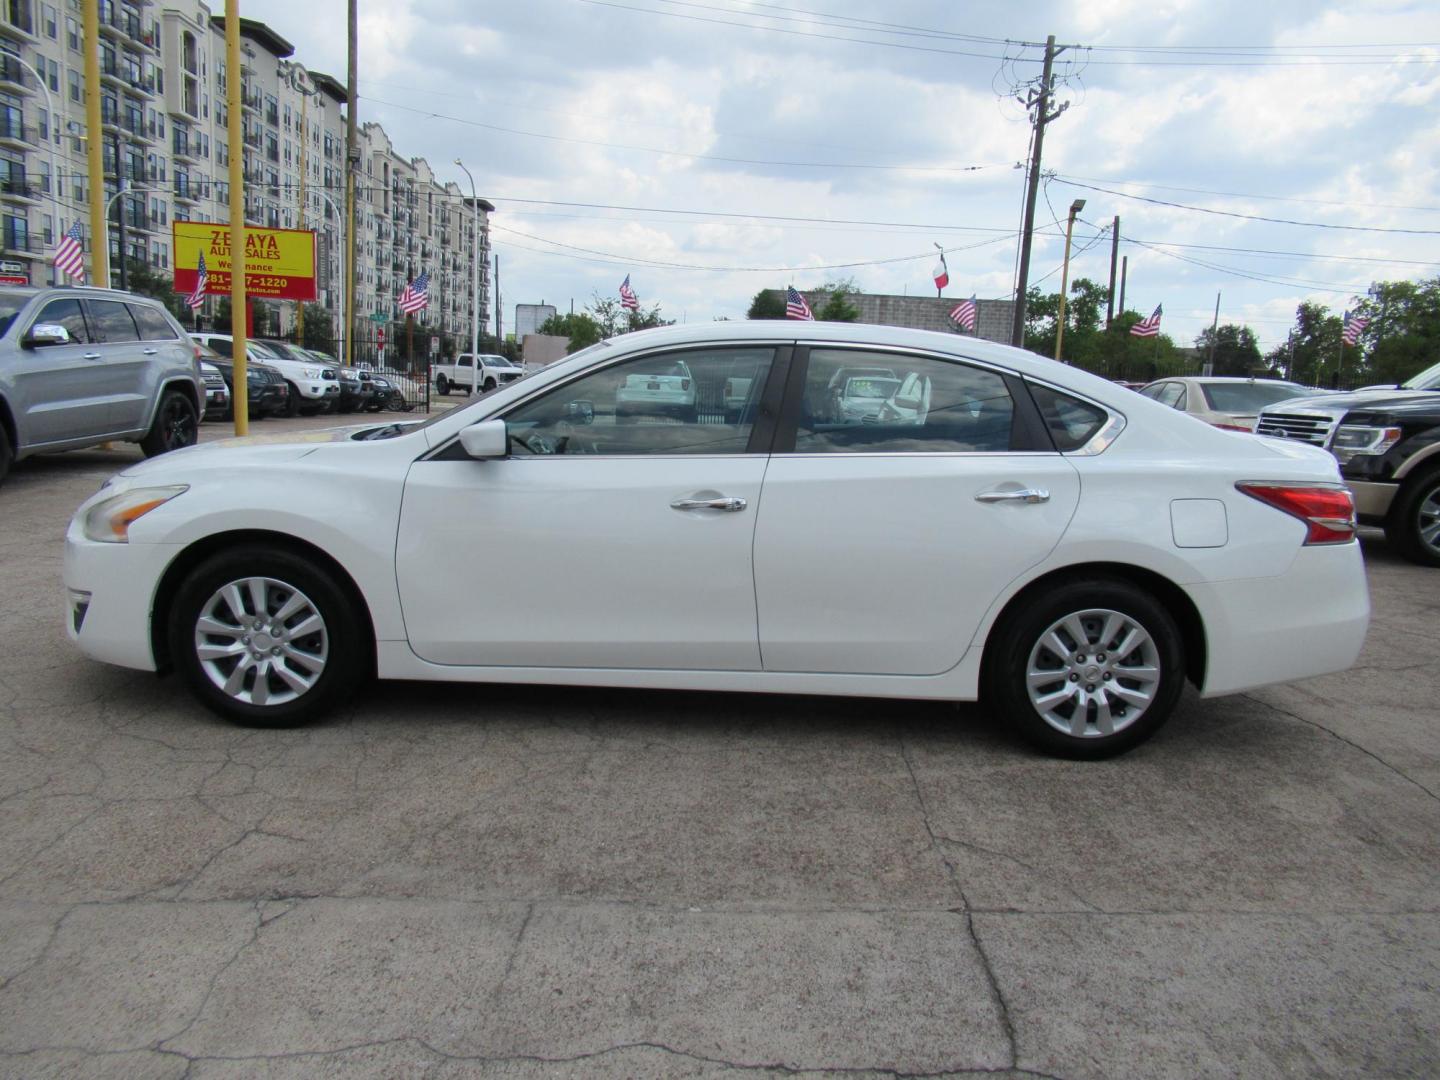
165,125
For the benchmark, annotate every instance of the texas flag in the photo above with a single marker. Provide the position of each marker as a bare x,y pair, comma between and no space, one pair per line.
941,273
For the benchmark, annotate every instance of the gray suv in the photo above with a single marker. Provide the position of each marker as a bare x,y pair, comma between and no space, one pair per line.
83,366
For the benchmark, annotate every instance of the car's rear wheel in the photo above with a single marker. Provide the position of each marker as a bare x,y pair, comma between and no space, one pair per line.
266,638
175,426
1090,670
1413,527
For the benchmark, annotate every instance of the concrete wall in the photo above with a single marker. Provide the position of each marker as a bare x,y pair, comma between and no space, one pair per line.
993,322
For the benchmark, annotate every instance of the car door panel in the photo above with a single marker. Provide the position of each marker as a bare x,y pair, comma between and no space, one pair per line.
124,364
589,564
60,391
887,564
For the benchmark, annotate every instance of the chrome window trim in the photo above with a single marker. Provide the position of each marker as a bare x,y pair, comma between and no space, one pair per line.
1103,438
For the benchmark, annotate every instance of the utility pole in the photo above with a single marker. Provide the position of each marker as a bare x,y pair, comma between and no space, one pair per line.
235,133
1124,270
1214,329
1039,101
1114,252
352,164
120,213
499,333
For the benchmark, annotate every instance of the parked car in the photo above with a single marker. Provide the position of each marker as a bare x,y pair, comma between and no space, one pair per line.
1387,442
217,393
1065,549
464,373
308,389
862,396
1227,402
396,390
268,393
665,388
84,366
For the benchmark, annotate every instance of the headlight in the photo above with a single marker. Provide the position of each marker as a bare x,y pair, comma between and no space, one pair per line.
313,373
1355,439
109,521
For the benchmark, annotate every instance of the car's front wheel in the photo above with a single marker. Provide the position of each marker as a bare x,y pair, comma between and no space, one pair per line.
1091,669
175,426
442,385
1413,527
266,638
7,453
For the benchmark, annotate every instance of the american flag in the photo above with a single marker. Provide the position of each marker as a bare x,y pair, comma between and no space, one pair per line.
70,254
416,296
963,314
1353,325
196,298
628,300
796,307
1149,327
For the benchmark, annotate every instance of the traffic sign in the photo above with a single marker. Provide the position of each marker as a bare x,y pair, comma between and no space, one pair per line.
378,316
434,346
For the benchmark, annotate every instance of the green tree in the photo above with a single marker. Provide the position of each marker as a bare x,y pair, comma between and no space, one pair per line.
1403,334
582,330
837,308
768,304
319,331
1310,353
614,319
145,280
1236,351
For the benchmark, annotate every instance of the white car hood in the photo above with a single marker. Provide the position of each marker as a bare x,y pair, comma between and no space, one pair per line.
244,450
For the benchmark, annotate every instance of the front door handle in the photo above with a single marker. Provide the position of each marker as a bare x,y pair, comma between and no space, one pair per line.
730,506
1026,495
150,352
91,355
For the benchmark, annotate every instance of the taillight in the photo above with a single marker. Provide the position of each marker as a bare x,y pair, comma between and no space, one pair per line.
684,384
1327,511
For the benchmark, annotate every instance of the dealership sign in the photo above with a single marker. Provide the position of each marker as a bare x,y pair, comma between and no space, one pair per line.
280,263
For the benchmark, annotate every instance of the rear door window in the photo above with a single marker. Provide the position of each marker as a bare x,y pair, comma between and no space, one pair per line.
112,321
68,313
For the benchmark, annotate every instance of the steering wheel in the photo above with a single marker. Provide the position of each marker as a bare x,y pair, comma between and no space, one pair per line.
536,444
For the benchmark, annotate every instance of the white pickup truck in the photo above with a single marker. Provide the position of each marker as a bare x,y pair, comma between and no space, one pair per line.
462,375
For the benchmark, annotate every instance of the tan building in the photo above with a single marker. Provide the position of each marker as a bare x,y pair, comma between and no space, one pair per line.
164,117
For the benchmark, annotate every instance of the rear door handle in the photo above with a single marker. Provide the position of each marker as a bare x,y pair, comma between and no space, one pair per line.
150,352
1026,495
730,506
91,355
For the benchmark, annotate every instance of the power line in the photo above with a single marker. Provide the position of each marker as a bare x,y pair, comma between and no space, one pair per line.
683,154
1293,283
1250,194
1248,217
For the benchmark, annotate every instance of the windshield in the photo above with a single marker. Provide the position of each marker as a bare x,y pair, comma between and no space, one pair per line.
1429,379
1247,399
10,305
871,388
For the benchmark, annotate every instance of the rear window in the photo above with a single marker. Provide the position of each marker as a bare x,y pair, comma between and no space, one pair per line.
1247,399
221,346
113,321
10,306
1071,422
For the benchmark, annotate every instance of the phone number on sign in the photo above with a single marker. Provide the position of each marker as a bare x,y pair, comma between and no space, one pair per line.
258,281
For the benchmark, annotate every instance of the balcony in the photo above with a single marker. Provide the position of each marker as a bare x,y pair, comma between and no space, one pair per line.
20,242
14,132
12,75
185,191
118,21
181,146
18,188
18,20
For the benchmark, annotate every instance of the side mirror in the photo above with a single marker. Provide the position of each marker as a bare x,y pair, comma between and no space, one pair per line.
580,413
45,334
487,439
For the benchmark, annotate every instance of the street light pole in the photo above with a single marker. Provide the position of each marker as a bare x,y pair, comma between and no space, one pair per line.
1075,208
474,283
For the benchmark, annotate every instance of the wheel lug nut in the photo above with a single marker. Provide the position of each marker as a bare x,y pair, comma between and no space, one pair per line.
245,640
276,652
1080,658
1107,676
1090,688
1074,677
1100,657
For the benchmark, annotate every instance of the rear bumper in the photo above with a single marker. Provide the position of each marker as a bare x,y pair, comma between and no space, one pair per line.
1308,621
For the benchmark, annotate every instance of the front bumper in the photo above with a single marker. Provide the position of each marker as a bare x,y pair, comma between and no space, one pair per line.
110,591
318,390
1310,620
1372,499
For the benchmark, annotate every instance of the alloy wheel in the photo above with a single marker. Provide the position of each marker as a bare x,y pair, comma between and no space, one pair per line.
1427,524
1093,673
178,424
261,641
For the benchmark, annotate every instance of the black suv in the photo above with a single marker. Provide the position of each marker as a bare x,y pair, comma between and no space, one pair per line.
1387,440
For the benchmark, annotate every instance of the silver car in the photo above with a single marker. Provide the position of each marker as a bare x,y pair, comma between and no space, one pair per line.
84,366
1224,401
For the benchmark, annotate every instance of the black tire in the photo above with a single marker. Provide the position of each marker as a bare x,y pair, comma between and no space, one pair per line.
175,426
345,647
1414,515
442,386
7,453
488,386
292,401
1020,634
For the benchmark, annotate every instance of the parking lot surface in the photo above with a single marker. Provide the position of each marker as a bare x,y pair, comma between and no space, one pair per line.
457,881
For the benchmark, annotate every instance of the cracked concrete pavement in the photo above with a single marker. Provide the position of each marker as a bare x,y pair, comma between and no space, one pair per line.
456,881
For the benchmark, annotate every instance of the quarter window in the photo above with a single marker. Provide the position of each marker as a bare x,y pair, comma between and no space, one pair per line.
1072,423
112,321
890,403
69,314
693,402
153,326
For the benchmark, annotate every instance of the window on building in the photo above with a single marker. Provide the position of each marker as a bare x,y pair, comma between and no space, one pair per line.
72,33
49,21
73,79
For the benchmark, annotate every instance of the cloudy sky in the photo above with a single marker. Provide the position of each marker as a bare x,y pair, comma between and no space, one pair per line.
711,148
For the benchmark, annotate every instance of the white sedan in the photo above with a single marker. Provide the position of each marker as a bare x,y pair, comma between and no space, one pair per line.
1034,535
